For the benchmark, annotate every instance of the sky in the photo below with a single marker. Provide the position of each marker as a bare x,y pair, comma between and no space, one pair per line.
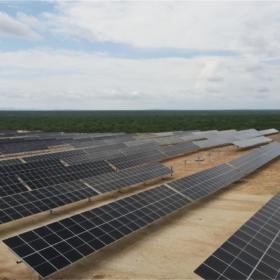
139,55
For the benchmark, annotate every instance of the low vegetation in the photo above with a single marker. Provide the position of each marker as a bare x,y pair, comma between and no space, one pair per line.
138,121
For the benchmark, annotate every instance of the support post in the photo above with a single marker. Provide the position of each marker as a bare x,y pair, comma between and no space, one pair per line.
144,183
185,165
40,278
198,161
89,199
51,212
171,170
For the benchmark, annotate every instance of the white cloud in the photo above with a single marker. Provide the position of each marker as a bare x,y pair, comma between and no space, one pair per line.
215,79
243,27
91,81
12,28
30,21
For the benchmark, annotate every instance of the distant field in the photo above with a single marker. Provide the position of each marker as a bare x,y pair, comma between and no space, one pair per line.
138,121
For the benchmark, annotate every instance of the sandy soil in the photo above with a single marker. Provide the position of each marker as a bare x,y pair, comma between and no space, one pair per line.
173,246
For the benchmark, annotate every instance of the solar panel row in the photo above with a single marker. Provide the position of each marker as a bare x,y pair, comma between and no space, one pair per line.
251,142
272,150
57,155
11,185
21,167
136,159
252,252
52,247
26,204
202,183
95,156
52,176
124,178
250,162
178,149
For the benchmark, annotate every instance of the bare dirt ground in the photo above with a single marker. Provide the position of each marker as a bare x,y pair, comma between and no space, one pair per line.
172,247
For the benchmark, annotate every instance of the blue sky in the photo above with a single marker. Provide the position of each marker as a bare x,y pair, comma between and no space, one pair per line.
139,55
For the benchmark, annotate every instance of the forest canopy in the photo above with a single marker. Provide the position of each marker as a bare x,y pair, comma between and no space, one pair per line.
138,121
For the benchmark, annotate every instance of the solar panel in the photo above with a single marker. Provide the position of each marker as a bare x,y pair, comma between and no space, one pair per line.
92,143
252,252
136,143
125,178
43,178
136,159
178,149
26,204
53,142
169,140
246,134
139,148
250,162
120,139
163,134
206,143
57,155
192,137
202,183
10,162
22,147
104,137
205,132
104,148
96,156
20,168
11,185
251,142
52,247
261,139
268,131
272,150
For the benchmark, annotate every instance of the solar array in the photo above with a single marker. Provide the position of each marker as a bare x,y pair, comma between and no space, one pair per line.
58,155
10,185
251,142
48,177
136,143
26,204
178,149
104,148
121,139
136,159
250,162
169,140
104,137
10,162
52,247
268,131
21,167
252,252
22,147
272,150
192,137
55,246
96,156
125,178
202,183
139,148
79,145
164,134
